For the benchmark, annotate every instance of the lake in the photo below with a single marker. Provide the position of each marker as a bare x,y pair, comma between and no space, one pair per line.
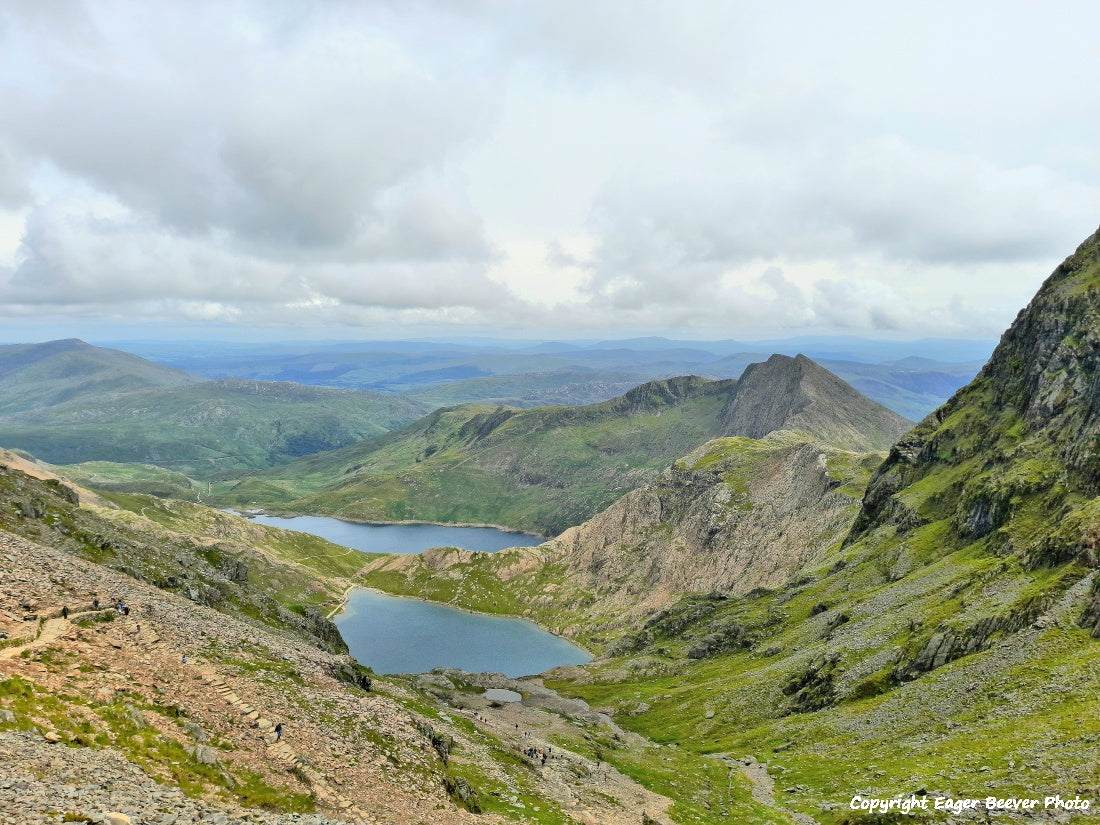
391,634
397,635
400,538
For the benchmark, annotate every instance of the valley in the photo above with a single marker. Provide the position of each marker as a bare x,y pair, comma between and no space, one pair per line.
794,598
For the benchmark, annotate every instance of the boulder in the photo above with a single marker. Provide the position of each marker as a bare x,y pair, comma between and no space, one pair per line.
204,755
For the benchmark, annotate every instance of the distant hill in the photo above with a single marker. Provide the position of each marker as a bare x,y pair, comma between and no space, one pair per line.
208,428
530,389
900,375
34,376
548,468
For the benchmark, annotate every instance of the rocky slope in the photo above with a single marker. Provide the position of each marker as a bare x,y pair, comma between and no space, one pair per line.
785,393
735,515
165,713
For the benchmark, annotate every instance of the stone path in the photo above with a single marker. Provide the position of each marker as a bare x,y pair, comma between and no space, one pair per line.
278,750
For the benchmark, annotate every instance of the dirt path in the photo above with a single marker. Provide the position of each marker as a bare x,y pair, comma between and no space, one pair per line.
763,789
589,792
52,629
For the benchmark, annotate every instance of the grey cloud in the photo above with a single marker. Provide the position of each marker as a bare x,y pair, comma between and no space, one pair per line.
296,144
883,197
14,188
69,258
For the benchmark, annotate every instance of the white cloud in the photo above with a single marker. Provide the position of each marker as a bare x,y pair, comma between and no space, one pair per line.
720,165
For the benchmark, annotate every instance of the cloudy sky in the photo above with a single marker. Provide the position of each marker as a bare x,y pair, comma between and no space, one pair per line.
592,168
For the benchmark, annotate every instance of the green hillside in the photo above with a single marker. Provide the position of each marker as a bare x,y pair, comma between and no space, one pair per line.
950,646
35,376
208,428
547,468
947,646
538,469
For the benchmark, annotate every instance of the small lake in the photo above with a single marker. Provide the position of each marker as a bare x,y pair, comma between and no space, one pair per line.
396,635
400,538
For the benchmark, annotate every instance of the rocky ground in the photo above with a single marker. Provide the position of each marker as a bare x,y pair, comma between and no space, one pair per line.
182,674
165,716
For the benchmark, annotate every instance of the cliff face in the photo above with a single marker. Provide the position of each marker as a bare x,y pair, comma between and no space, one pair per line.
734,515
1014,457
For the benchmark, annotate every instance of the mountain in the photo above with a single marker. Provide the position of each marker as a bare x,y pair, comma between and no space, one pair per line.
785,393
35,376
945,645
545,469
517,373
949,646
206,428
538,469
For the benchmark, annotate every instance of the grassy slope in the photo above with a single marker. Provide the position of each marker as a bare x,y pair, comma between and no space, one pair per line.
949,645
207,428
541,469
186,547
529,389
114,477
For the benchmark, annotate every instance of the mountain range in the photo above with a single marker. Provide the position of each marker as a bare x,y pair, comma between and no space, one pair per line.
544,469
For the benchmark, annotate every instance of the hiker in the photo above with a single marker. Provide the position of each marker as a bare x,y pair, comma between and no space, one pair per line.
278,731
183,659
65,612
125,610
95,604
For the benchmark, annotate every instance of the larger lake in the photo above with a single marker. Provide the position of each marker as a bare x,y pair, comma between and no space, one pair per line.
396,635
400,538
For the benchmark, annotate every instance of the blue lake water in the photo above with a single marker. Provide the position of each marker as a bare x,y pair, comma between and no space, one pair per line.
396,635
401,538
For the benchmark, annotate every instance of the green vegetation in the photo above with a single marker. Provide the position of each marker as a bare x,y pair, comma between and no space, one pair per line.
110,476
38,376
206,429
540,469
278,577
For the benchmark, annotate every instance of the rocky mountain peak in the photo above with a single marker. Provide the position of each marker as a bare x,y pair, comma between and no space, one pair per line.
785,393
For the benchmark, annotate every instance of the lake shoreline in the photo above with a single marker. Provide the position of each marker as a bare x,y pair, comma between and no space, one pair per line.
344,601
375,523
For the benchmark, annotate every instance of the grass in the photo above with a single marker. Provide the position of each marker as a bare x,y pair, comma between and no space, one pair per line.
539,469
203,429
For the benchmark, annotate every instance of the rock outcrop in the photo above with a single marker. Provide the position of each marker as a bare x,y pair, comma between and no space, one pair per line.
736,514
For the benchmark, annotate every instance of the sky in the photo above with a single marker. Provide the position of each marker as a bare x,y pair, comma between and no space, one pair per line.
589,169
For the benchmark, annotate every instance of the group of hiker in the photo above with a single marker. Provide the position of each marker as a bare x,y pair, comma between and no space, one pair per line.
537,754
119,606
